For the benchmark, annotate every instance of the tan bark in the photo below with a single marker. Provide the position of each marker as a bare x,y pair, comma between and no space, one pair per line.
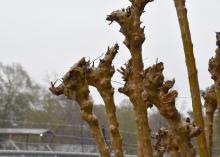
129,20
210,106
165,142
100,77
214,69
157,92
75,86
212,95
192,73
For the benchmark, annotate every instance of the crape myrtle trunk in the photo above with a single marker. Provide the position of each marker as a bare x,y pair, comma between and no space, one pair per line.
192,74
214,69
210,107
129,21
212,95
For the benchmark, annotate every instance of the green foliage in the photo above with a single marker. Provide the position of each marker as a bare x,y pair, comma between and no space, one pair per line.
16,93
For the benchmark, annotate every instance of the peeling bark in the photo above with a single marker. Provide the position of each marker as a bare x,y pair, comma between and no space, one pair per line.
157,92
192,73
75,86
210,106
129,21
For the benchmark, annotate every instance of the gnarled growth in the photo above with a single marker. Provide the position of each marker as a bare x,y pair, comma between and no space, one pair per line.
100,77
214,69
166,141
210,106
75,86
157,92
129,89
130,23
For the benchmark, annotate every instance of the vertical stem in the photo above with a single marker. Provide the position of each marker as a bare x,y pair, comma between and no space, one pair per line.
75,86
100,77
217,72
86,105
192,73
143,129
110,108
129,20
214,92
210,107
217,91
209,130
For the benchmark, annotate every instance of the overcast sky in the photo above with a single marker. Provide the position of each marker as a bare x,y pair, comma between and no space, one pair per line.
49,36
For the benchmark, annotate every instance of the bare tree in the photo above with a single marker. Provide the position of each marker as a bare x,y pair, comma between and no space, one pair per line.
144,87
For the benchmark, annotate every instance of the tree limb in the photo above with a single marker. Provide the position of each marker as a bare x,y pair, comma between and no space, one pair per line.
157,92
210,106
75,86
100,77
130,23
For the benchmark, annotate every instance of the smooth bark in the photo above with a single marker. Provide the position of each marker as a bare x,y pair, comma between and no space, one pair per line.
192,74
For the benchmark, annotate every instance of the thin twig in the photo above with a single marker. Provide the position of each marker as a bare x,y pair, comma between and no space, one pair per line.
117,82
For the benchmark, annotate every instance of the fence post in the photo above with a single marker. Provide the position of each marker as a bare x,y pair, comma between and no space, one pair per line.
81,139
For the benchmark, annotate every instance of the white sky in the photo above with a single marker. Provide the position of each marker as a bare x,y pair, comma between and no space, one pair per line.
48,36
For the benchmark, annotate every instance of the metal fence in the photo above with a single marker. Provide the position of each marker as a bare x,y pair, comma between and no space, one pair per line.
45,154
15,153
